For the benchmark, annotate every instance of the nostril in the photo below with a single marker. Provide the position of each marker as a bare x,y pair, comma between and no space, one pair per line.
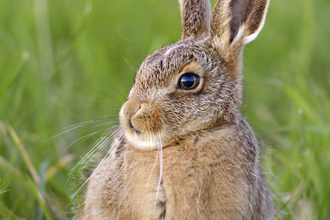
132,127
130,124
130,108
136,108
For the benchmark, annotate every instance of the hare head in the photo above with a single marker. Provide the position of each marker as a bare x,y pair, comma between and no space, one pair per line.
194,84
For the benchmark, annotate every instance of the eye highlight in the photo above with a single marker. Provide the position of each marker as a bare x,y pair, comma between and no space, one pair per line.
188,81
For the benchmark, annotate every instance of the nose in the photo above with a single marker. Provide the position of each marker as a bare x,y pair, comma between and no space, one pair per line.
130,108
141,117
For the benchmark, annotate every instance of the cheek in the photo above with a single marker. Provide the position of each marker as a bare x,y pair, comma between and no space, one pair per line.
179,116
191,114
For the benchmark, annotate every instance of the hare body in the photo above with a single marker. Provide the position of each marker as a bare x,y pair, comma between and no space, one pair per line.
183,150
209,175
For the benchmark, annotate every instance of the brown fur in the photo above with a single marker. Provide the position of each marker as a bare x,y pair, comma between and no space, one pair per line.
187,153
195,17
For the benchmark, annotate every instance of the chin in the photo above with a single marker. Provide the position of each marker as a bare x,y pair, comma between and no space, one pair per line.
142,143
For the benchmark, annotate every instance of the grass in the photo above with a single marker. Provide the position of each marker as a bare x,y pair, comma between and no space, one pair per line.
68,62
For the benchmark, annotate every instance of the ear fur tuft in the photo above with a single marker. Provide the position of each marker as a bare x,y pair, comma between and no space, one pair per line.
195,17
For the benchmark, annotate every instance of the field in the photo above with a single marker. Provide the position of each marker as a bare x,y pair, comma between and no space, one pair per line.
67,66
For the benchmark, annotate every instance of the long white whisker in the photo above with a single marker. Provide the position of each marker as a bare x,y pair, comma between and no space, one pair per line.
100,148
160,151
113,88
98,168
111,97
106,155
73,127
106,123
101,139
83,138
108,106
97,148
103,144
152,170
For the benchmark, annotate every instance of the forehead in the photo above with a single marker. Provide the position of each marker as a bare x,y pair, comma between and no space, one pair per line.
168,61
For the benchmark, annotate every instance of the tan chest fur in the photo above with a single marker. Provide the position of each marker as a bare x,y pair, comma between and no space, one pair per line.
199,180
210,175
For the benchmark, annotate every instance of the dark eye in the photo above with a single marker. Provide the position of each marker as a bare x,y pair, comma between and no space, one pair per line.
188,81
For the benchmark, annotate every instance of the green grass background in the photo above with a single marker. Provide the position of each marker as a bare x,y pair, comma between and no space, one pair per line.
67,62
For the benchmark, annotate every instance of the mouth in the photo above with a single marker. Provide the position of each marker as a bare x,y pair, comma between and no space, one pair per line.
141,141
146,145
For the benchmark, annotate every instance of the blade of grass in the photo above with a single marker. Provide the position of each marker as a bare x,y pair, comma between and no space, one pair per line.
42,187
302,103
26,182
58,166
14,173
40,199
7,213
13,70
44,39
24,153
70,43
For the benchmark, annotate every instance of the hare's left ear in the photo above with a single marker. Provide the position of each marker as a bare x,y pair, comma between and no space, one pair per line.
195,17
235,23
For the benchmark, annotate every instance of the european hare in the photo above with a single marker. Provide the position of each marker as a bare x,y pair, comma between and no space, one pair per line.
183,150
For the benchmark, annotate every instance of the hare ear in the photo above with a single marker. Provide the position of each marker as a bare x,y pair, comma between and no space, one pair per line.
195,17
237,22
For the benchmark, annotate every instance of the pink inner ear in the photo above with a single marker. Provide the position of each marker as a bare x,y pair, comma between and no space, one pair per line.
240,10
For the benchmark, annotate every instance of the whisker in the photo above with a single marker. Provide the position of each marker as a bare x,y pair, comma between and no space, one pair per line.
101,146
83,138
95,148
87,122
139,49
152,170
75,126
108,126
108,117
92,104
117,92
129,64
98,168
110,106
160,151
111,97
113,88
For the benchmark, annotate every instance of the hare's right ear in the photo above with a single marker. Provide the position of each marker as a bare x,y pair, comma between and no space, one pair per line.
195,17
235,23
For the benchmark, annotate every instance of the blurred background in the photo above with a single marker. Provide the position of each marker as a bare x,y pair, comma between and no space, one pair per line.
67,66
